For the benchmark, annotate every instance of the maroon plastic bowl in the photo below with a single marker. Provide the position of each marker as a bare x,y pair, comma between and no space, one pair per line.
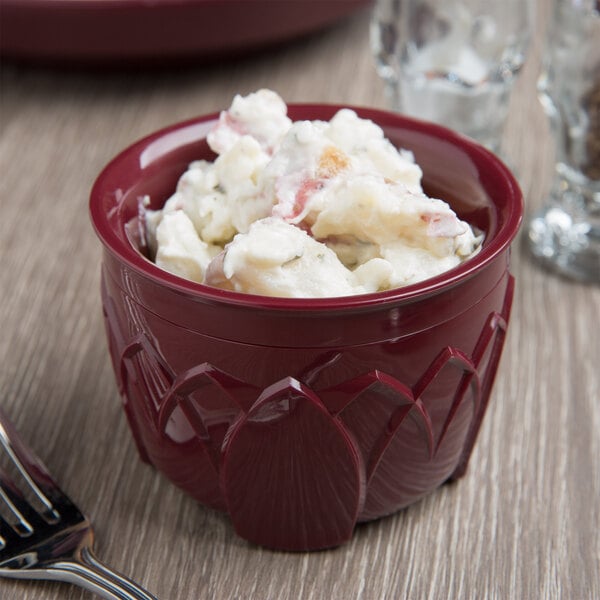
302,417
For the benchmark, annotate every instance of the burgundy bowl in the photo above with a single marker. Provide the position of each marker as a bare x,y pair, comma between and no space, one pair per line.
302,417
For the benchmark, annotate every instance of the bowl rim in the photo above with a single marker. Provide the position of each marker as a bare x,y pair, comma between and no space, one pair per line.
123,250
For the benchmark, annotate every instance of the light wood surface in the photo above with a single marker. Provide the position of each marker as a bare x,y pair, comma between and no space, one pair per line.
523,524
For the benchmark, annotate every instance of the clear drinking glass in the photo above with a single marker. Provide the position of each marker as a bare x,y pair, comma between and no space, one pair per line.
453,62
565,235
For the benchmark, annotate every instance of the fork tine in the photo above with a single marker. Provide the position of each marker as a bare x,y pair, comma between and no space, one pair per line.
31,469
26,517
8,534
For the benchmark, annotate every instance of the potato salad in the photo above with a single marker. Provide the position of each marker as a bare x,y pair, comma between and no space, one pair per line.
304,209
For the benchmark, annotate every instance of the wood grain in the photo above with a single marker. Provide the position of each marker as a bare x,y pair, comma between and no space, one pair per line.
522,524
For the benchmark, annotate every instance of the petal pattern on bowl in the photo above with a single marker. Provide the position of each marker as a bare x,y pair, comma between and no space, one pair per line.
291,474
486,357
296,465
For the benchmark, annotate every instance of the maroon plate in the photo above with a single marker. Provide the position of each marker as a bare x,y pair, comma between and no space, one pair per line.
109,31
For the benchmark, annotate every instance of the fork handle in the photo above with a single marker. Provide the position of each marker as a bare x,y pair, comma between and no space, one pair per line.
88,572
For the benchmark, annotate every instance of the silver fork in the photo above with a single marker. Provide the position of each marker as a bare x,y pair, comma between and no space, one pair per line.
52,541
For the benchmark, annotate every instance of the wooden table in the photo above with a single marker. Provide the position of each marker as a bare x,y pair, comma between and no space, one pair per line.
523,524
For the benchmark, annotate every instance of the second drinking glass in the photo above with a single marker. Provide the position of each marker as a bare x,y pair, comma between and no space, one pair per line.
452,62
